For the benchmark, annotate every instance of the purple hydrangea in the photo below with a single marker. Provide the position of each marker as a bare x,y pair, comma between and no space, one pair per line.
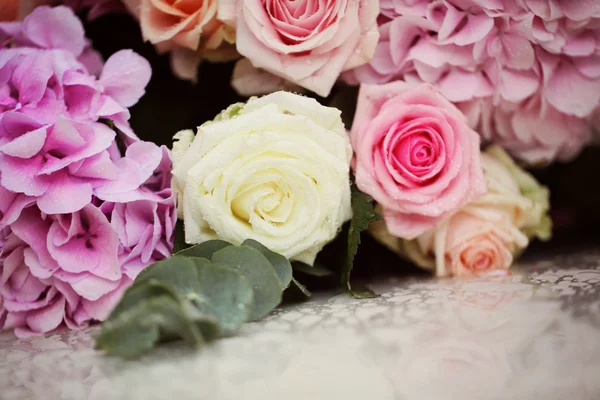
79,218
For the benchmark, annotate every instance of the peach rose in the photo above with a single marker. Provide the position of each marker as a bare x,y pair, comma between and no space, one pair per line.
476,245
187,28
483,236
474,241
308,42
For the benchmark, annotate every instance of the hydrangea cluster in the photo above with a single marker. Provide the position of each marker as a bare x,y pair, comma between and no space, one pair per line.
526,72
85,205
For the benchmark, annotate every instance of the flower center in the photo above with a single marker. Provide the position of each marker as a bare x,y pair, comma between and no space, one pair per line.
297,21
414,156
270,201
88,239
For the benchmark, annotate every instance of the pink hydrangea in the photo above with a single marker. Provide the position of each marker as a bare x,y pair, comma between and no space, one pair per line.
79,218
508,63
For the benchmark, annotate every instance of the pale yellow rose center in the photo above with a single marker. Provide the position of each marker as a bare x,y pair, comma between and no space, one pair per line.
272,201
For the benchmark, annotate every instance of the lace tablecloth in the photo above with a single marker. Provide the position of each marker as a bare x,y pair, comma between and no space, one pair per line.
533,335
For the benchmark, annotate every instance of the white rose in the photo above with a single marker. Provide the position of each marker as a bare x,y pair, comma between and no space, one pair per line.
275,170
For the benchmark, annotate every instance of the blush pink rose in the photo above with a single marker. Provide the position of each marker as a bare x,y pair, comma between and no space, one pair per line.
307,42
415,155
248,80
524,61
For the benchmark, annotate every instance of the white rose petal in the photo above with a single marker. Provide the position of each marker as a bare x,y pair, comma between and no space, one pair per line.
277,172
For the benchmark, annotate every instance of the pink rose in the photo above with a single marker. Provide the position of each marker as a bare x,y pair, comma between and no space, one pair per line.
482,237
308,42
250,81
188,29
415,155
527,61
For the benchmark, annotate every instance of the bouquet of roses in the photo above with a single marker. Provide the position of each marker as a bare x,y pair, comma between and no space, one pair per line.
191,242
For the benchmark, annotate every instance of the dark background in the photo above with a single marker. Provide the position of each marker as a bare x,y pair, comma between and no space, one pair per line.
171,104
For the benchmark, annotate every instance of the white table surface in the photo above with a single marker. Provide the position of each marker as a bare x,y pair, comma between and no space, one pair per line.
533,335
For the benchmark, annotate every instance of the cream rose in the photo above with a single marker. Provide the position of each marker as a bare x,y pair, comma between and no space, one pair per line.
484,236
275,170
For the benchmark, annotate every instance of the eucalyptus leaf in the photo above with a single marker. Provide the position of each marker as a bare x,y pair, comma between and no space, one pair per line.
282,265
179,271
140,292
223,292
259,273
204,249
300,288
137,329
207,324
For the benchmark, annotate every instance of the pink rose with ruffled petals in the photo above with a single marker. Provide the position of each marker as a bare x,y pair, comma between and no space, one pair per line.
507,63
307,42
415,155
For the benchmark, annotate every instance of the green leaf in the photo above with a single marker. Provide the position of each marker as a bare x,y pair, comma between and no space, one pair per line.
138,328
282,265
363,214
259,273
319,272
179,243
300,288
207,324
177,270
140,292
362,292
223,292
204,249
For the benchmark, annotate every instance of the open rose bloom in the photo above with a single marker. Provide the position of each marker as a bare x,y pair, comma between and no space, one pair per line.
79,217
484,236
415,155
307,42
275,169
526,72
189,30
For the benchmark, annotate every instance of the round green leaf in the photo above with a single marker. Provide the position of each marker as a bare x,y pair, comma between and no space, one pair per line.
204,249
141,292
282,265
223,292
259,273
177,270
300,288
137,329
